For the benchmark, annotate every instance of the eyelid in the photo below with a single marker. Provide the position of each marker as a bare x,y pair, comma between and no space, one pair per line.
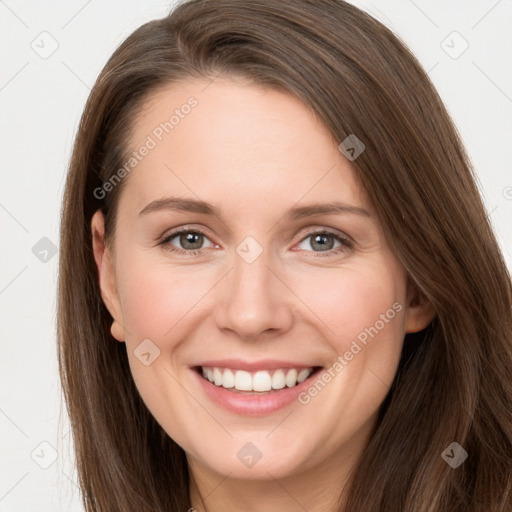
185,228
313,230
305,233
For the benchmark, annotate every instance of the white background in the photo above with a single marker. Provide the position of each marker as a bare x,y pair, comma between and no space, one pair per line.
41,101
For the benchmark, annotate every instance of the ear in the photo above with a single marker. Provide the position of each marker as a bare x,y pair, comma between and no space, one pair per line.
419,311
106,274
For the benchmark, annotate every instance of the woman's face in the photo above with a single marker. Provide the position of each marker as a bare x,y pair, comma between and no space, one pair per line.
264,289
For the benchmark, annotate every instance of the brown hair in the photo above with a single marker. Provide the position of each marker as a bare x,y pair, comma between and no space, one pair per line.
454,382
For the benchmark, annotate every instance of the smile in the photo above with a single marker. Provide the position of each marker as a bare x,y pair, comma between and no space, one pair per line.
259,381
253,391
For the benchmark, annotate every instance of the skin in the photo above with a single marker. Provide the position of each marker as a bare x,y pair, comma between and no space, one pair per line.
254,153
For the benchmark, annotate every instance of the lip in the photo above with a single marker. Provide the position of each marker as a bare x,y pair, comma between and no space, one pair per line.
253,405
252,366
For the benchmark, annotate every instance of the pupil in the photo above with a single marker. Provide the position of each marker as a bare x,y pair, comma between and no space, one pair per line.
189,238
323,246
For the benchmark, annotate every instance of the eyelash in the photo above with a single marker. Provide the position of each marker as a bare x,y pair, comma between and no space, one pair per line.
345,242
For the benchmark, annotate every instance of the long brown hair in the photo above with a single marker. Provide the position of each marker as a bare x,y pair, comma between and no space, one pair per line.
454,382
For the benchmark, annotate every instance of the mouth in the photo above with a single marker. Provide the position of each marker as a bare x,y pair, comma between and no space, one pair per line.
258,382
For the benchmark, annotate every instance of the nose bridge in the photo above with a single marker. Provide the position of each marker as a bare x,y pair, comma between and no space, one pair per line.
251,274
254,299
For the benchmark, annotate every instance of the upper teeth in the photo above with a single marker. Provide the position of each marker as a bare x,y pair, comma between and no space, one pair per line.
258,381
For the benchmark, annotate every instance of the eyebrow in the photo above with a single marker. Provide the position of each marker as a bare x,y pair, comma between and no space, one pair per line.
295,213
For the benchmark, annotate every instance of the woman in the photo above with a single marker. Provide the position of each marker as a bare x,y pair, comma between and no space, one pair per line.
339,339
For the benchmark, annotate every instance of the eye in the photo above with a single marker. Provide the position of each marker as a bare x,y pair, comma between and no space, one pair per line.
191,241
324,242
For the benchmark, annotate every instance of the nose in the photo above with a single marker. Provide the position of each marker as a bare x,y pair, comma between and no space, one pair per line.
254,301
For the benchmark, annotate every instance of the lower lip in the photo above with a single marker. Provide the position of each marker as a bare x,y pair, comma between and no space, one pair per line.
253,405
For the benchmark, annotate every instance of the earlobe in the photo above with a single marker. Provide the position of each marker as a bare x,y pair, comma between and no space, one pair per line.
419,312
106,275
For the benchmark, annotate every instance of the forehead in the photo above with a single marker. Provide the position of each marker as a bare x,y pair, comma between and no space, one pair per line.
229,140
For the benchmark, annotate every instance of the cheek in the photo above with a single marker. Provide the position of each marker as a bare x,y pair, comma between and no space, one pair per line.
159,304
348,300
156,299
344,304
361,314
